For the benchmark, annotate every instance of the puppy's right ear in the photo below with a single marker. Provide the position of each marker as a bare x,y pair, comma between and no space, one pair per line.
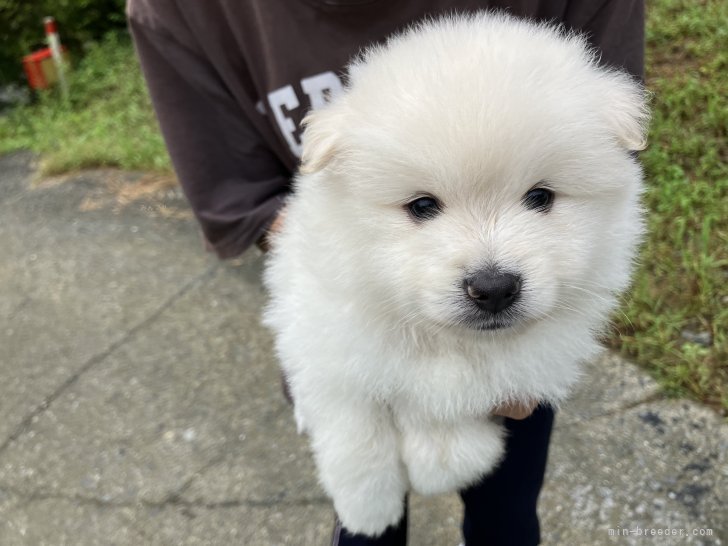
321,138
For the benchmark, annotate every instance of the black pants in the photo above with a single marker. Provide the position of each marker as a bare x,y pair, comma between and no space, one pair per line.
500,510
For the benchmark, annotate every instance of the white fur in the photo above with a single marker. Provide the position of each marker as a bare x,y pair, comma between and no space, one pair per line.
393,390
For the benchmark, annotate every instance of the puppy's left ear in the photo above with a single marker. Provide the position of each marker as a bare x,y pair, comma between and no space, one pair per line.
627,111
321,137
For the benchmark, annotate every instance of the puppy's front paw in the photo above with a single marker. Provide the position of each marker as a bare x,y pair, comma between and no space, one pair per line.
447,457
370,513
359,466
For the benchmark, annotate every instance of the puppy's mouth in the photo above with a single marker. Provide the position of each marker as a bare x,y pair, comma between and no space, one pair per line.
492,326
478,319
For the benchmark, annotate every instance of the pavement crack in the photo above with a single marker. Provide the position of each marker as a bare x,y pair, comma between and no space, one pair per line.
100,357
103,502
653,397
176,495
18,308
278,500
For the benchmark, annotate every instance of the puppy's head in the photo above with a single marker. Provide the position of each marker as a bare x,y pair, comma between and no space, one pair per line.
480,168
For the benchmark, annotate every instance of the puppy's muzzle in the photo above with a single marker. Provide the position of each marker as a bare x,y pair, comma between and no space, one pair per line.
493,291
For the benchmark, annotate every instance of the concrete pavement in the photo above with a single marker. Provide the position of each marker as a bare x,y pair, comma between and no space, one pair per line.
140,401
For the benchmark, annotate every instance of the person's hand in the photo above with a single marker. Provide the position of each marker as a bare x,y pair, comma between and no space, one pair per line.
265,242
277,224
515,410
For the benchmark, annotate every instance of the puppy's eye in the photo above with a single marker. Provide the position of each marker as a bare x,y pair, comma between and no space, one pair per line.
423,208
539,199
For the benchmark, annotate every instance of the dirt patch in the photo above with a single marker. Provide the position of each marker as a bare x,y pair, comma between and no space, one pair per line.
158,195
671,62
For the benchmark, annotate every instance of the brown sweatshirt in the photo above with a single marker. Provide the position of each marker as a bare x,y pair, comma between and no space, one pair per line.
230,81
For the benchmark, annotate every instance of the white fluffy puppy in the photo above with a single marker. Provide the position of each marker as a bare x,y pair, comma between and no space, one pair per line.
466,213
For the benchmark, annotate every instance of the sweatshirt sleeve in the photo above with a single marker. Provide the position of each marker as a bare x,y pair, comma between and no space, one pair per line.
232,180
616,27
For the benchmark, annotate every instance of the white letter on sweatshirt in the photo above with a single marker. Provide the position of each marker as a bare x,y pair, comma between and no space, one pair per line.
285,96
316,86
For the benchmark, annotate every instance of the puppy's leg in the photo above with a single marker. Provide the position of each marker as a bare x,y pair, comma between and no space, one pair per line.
356,449
444,457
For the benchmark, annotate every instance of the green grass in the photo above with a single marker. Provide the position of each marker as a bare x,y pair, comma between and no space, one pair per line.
680,285
108,122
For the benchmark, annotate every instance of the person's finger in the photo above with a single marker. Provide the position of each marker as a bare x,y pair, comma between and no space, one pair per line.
515,410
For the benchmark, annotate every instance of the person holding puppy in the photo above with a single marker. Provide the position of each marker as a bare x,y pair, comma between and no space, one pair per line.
231,82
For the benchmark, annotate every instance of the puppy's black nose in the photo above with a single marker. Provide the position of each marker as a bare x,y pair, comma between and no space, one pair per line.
493,291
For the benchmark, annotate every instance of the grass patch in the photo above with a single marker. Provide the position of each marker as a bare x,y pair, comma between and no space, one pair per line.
680,289
107,123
